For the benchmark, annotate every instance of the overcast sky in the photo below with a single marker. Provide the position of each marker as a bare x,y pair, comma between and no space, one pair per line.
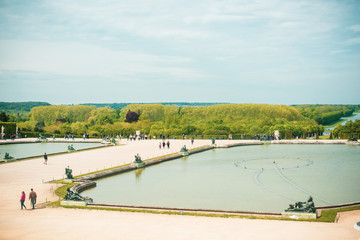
242,51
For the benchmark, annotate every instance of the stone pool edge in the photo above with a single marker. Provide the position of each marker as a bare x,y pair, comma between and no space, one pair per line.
86,182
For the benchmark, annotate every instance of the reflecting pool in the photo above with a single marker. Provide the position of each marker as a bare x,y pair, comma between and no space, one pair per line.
356,116
249,178
22,150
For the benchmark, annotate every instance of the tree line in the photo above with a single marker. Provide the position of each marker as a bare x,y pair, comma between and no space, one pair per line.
219,120
327,114
155,119
348,130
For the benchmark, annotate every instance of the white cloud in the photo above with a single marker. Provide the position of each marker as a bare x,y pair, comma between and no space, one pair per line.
355,28
337,52
145,41
85,60
352,41
210,18
142,19
290,24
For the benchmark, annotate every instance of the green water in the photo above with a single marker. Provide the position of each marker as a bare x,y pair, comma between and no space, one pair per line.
242,178
22,150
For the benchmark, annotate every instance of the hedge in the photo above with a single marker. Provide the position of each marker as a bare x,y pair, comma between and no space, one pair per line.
9,128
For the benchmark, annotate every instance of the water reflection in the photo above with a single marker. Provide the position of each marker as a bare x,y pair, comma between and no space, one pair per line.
138,173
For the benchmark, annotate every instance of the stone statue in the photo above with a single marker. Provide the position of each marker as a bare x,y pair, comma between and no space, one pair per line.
307,207
137,159
68,173
2,132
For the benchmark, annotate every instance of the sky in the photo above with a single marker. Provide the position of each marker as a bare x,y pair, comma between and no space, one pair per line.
242,51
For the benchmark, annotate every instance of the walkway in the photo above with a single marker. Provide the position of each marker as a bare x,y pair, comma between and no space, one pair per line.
59,223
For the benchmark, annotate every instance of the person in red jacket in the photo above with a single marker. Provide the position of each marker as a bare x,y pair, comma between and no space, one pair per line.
22,200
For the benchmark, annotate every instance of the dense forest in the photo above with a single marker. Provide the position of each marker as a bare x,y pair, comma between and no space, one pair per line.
327,114
155,119
17,107
176,119
18,111
349,130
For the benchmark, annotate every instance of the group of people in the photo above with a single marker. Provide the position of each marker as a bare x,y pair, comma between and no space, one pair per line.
67,137
163,144
11,137
32,198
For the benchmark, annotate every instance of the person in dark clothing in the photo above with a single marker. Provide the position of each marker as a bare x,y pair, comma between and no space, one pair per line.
32,197
45,159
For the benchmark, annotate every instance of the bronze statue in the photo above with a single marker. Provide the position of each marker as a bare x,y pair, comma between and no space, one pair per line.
71,148
73,196
138,163
113,141
8,157
308,207
137,159
183,149
68,173
41,137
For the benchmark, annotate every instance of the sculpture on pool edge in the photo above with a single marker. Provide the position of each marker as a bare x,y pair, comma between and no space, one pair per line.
306,207
73,196
137,159
8,157
68,173
183,149
71,148
352,139
42,138
113,141
138,163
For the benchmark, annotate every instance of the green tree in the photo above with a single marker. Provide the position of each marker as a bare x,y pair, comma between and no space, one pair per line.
100,116
4,117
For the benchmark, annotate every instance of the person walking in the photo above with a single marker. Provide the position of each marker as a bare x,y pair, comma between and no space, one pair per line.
32,197
22,200
45,159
